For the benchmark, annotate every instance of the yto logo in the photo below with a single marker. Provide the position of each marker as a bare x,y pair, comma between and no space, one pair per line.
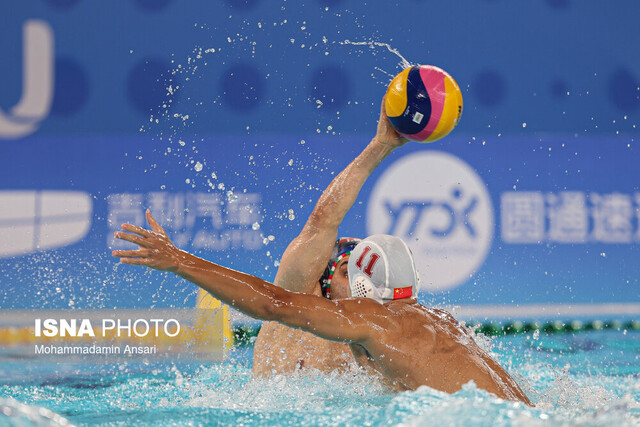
440,206
37,82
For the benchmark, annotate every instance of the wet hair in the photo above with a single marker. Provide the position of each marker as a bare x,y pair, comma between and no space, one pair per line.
342,248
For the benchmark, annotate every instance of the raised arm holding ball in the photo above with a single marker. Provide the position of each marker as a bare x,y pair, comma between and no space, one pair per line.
315,262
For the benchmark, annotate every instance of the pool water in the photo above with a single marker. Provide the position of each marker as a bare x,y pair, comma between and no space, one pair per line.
586,378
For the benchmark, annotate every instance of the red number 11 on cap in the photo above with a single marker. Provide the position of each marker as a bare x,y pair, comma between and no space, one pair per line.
369,268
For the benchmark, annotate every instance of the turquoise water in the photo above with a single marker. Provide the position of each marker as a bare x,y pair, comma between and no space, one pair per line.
586,378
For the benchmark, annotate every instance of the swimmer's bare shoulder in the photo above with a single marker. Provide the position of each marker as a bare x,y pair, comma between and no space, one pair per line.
422,346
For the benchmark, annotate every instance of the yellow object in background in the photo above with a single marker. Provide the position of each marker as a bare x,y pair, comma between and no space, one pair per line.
212,325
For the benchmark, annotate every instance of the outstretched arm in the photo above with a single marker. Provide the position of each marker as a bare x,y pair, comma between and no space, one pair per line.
333,320
306,257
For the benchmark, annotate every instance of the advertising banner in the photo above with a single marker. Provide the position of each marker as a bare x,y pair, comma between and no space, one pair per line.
496,221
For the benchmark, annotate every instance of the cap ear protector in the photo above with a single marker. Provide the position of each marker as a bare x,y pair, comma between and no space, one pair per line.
341,249
361,287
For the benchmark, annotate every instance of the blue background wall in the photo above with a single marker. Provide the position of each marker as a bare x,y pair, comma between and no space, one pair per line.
267,102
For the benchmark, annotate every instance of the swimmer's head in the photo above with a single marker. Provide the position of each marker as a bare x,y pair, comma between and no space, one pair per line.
340,255
381,267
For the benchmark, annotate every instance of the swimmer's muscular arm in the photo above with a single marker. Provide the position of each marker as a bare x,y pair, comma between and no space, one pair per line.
306,257
333,320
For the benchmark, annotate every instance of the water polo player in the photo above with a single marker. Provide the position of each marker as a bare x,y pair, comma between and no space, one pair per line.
388,332
407,344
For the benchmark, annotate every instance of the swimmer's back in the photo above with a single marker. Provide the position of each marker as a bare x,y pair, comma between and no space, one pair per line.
425,346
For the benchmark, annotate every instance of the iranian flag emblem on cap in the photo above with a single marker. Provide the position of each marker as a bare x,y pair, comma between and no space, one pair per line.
399,293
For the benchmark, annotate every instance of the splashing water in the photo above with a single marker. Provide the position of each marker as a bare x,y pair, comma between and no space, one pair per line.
404,63
564,387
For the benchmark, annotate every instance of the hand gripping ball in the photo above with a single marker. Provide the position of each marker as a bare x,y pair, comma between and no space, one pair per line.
423,103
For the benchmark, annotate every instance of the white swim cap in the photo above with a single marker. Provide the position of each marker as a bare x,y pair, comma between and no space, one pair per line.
381,267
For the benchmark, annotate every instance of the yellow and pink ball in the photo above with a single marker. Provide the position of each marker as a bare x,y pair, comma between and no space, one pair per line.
423,103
